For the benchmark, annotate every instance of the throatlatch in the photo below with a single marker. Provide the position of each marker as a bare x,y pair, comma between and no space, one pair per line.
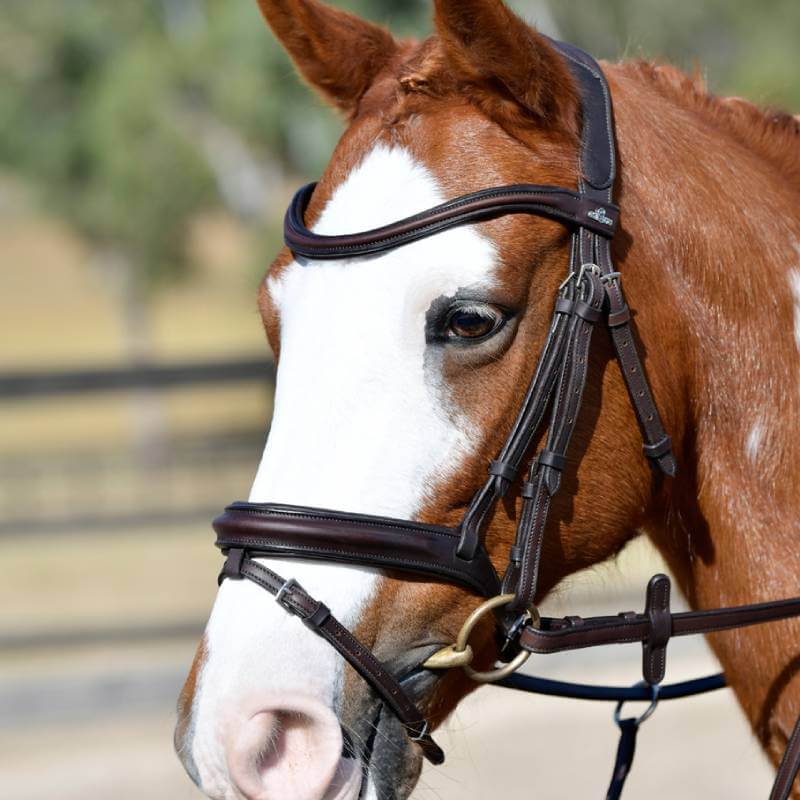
590,294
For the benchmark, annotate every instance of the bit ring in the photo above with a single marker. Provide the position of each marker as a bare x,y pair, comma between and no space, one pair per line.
460,653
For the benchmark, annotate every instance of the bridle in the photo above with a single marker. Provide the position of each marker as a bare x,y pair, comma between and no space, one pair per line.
590,294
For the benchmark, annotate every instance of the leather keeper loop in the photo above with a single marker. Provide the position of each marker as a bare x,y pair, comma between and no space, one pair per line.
620,317
588,313
548,458
658,449
504,470
564,306
317,617
654,650
232,568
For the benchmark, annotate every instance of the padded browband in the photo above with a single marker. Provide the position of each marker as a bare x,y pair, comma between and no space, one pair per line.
565,206
282,531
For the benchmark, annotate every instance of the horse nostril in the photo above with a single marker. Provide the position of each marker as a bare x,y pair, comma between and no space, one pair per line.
290,749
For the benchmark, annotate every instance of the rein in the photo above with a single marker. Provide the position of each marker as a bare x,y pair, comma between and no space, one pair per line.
590,294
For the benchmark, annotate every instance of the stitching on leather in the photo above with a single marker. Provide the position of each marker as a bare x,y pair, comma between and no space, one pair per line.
531,426
606,106
468,578
259,579
520,192
264,513
578,645
366,659
449,222
659,654
572,376
530,561
352,646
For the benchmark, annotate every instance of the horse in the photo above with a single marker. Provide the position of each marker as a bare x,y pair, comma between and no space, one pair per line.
399,377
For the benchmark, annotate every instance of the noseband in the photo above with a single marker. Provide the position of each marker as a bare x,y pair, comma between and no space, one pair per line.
590,294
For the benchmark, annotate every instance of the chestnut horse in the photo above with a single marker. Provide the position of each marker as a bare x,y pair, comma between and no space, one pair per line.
399,377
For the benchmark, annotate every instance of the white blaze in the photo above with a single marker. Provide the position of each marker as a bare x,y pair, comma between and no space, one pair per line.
357,427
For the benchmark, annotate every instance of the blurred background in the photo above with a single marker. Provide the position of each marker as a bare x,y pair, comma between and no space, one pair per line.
147,152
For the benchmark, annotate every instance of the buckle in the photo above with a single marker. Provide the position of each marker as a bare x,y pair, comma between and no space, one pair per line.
280,596
591,267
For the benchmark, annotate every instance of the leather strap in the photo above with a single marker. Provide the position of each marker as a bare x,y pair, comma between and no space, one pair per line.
657,444
545,479
626,749
526,425
598,171
318,618
788,768
566,206
598,150
554,635
654,650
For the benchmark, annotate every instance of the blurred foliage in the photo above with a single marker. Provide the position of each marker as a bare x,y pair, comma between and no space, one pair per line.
747,47
127,116
130,118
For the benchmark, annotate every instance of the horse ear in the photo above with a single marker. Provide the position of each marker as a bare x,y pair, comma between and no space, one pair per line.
513,69
336,52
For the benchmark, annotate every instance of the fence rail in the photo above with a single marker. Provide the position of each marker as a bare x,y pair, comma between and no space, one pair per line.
25,384
181,476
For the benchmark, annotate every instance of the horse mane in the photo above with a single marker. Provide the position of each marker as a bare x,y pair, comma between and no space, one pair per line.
771,133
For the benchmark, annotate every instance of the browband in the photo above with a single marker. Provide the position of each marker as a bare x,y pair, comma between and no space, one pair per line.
570,208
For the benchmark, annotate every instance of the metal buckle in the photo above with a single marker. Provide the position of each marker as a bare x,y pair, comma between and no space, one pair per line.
589,267
578,277
283,591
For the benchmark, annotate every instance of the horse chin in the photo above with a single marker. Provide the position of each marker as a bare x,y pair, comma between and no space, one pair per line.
394,764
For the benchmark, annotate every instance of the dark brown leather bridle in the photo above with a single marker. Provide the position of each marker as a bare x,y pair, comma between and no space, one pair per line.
591,293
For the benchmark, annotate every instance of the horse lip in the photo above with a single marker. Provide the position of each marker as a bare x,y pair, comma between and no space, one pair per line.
416,681
388,742
367,757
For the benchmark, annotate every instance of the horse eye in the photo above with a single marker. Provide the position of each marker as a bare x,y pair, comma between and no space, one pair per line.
473,323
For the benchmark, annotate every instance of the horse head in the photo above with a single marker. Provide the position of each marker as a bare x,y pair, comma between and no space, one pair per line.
399,377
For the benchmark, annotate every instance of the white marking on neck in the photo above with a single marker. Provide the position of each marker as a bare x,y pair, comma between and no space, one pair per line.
356,427
794,284
754,439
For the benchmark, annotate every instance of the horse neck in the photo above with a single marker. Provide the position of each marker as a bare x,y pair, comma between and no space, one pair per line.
713,266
